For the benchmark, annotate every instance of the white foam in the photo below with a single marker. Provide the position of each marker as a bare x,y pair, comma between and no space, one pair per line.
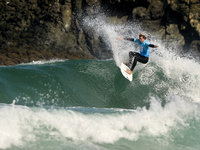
42,62
183,74
21,126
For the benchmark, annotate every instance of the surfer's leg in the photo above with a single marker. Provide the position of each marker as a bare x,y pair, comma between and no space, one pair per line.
131,55
139,58
142,59
136,56
134,64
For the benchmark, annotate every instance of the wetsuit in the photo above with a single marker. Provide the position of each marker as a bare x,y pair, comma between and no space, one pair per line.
143,56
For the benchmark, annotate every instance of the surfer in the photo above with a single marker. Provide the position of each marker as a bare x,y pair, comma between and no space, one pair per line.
143,56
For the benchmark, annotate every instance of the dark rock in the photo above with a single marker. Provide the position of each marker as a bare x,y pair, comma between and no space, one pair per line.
45,29
156,9
195,45
140,13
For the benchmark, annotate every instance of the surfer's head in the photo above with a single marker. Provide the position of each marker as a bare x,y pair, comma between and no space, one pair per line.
142,37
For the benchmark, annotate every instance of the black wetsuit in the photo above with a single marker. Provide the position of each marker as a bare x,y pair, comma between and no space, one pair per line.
138,56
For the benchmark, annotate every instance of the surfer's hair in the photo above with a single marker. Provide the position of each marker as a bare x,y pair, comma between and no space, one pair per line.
144,36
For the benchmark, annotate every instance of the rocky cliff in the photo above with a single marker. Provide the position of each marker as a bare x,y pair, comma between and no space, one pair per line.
45,29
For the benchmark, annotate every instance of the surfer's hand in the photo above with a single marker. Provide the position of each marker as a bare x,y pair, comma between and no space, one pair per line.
121,39
128,71
155,46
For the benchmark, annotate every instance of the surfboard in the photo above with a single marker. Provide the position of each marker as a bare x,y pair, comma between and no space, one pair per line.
123,68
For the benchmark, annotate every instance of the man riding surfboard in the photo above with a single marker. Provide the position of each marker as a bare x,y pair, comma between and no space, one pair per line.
143,56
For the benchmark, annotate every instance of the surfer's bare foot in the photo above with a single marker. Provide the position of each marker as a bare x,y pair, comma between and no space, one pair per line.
128,71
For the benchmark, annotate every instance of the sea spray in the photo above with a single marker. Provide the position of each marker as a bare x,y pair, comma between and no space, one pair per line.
184,71
100,26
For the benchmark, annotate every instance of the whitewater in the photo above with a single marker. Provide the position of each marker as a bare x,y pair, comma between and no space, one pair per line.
88,104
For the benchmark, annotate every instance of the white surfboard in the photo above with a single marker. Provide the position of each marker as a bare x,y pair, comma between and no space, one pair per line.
124,68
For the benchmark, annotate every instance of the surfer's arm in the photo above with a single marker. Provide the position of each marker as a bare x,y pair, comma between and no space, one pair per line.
153,46
129,39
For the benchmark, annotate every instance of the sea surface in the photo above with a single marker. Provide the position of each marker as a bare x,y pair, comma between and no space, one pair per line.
89,105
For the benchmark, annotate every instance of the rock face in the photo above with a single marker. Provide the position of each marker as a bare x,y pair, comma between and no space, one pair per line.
45,29
175,21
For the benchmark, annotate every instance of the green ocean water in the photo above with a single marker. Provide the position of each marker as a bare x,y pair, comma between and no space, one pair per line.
88,104
85,83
